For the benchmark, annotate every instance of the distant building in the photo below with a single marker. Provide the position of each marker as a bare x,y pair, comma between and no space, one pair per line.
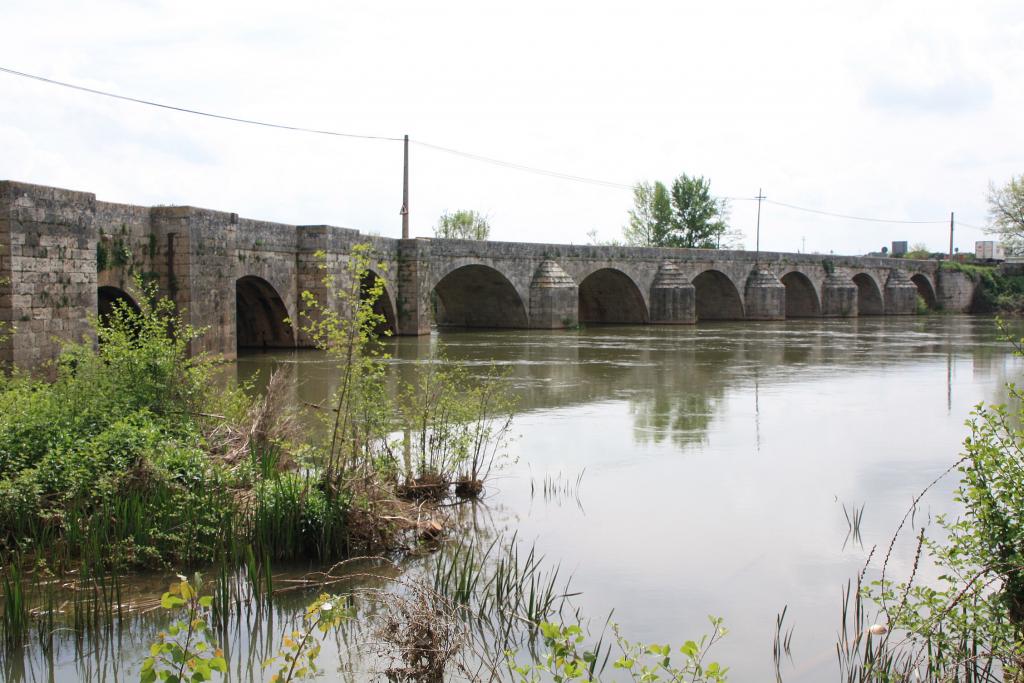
899,248
989,250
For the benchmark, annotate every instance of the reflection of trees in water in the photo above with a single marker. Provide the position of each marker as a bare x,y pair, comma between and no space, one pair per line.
674,379
685,418
683,391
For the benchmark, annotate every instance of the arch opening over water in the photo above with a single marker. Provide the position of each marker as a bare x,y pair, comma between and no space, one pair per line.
610,296
477,296
383,305
108,298
717,297
801,298
869,296
925,290
260,316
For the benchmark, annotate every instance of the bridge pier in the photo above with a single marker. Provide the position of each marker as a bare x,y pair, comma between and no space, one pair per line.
900,294
673,297
765,296
554,298
413,300
838,297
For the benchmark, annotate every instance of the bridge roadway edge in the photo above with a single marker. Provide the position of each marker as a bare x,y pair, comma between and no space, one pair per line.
58,247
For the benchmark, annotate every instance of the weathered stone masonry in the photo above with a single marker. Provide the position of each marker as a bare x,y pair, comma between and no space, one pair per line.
64,256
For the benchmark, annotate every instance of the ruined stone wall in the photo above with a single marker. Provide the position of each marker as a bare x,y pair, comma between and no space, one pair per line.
125,247
49,257
324,249
6,287
955,291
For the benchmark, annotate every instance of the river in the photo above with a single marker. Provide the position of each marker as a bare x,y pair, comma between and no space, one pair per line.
711,469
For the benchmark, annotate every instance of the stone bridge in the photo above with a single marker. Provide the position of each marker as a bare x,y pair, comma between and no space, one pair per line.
65,256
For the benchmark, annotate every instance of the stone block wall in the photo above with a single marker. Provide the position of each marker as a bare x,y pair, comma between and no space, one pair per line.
413,297
57,246
48,262
126,246
955,291
6,287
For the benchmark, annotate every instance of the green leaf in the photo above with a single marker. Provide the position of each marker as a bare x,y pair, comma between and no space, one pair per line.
169,601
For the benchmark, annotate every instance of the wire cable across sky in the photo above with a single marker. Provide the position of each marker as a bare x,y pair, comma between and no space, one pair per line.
197,112
427,145
852,218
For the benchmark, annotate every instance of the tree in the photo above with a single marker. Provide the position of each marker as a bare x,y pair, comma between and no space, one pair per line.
918,250
462,225
650,218
1006,214
698,219
685,216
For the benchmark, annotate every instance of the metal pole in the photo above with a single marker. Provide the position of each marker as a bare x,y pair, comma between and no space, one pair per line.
759,197
950,235
405,192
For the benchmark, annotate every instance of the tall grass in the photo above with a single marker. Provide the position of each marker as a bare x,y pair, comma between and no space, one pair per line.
501,584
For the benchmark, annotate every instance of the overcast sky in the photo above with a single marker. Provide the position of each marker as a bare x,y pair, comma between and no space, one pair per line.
895,110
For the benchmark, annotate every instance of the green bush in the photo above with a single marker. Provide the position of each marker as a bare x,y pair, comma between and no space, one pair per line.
111,453
292,517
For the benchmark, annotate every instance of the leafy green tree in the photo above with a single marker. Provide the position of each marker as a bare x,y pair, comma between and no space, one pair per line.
1006,214
687,215
698,219
650,219
462,225
918,250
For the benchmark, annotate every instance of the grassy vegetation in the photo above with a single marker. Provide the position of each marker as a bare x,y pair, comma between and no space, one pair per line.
997,293
134,455
110,462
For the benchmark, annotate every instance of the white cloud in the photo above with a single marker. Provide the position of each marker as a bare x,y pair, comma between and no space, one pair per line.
900,110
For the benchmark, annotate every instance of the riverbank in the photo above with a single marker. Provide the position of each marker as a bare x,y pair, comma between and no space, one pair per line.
717,462
135,455
998,290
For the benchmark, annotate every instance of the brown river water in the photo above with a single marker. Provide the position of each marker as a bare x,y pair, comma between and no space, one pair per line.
703,469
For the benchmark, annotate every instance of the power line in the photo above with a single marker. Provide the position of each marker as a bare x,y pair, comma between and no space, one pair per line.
185,110
448,150
847,216
522,167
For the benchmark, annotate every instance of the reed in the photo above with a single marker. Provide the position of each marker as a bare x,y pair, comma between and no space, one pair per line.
500,585
16,615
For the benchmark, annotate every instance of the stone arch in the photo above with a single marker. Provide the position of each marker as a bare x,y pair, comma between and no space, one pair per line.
717,297
869,295
260,315
801,297
383,306
107,298
925,289
476,295
608,295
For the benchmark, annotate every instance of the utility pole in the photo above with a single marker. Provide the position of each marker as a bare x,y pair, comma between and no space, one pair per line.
405,192
803,245
950,235
757,241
